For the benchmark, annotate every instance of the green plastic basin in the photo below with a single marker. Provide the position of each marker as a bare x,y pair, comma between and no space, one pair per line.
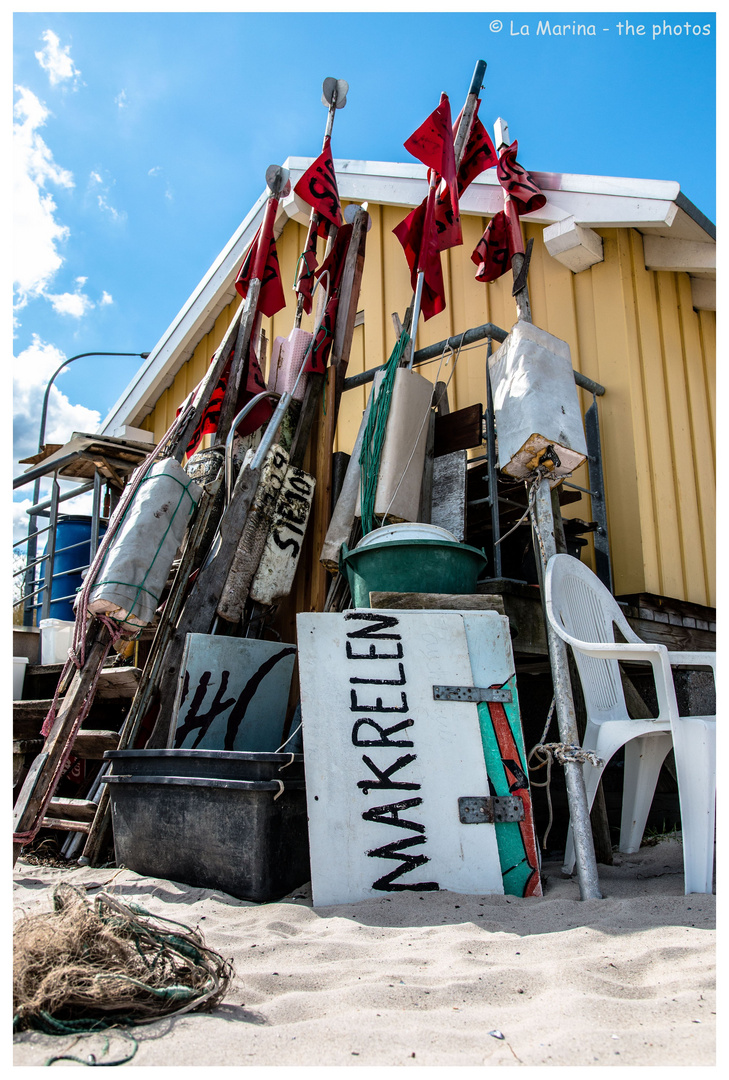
435,566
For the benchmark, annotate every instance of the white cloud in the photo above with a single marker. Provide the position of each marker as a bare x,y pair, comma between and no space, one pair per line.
121,99
75,304
36,233
155,170
56,60
32,369
106,298
102,197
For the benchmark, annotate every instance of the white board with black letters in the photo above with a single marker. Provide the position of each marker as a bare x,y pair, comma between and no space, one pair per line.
386,762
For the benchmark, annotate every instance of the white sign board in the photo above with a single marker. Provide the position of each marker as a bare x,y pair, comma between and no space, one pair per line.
385,762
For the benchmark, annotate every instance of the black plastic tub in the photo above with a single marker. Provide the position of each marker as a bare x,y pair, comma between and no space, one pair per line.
224,820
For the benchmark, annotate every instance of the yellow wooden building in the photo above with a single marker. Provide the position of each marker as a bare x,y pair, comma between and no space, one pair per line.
622,269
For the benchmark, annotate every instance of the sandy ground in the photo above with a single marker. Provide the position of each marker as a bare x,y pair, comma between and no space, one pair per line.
437,979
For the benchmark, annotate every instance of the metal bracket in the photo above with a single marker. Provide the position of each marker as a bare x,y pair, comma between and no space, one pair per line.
489,809
470,693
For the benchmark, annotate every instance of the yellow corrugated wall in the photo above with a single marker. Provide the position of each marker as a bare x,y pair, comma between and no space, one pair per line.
628,328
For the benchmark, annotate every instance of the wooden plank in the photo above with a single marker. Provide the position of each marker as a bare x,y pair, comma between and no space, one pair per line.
75,809
459,430
438,601
68,825
426,490
201,603
274,577
448,505
703,456
363,674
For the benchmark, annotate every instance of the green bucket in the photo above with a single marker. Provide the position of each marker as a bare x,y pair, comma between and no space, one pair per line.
429,566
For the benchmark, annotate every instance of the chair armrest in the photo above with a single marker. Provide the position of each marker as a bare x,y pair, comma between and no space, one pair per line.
693,659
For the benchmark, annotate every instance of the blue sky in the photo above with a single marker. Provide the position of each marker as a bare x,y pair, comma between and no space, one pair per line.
142,140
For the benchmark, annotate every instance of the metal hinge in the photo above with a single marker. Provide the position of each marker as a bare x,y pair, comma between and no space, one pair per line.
490,809
470,693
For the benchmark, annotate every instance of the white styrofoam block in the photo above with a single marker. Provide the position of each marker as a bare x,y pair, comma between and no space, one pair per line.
385,762
536,403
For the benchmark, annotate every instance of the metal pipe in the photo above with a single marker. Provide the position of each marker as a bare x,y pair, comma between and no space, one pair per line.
231,435
41,506
432,352
493,479
566,718
50,550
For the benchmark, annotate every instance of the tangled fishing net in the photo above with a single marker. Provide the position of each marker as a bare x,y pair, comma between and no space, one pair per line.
86,967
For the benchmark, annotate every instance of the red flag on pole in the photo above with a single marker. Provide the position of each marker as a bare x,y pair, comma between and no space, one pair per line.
318,188
419,233
495,249
518,183
493,252
305,271
271,297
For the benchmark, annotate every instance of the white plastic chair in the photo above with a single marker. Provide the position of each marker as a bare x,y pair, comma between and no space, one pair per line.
583,612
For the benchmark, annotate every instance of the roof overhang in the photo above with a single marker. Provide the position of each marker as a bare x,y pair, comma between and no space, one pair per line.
674,230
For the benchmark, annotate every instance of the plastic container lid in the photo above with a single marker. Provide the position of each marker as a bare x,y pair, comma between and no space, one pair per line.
406,530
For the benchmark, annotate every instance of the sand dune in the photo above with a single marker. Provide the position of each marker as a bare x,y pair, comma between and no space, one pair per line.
437,979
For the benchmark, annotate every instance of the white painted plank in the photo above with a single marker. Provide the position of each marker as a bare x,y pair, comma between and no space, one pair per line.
368,679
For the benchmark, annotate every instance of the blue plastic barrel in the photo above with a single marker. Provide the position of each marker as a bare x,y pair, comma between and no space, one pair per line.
74,534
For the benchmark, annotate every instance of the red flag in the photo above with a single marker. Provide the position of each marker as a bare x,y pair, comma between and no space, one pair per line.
419,232
318,188
254,384
479,155
208,422
307,266
271,297
518,183
318,358
493,252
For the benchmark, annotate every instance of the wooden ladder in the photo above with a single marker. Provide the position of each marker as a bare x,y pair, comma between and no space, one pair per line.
116,685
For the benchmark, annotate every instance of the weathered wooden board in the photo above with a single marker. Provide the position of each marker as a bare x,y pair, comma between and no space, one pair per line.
274,577
254,535
385,762
412,601
448,502
459,430
232,693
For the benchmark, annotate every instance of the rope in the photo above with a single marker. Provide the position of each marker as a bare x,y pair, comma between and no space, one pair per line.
374,435
564,753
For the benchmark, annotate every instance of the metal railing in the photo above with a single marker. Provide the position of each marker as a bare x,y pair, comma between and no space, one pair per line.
493,500
38,572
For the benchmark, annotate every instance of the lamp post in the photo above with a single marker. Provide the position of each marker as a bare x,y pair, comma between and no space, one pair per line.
32,546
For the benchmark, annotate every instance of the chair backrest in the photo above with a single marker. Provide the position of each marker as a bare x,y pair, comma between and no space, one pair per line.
580,603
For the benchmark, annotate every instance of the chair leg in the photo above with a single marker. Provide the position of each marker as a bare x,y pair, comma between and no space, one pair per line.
643,759
694,741
605,740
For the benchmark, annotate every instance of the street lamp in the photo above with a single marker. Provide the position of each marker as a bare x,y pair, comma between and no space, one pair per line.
59,369
32,545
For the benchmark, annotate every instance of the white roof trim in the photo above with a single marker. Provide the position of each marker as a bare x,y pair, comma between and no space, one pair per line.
655,206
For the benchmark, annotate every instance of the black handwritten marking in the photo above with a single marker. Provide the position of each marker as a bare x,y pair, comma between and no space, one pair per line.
282,545
383,622
384,783
390,815
238,712
194,720
378,706
373,654
385,733
387,882
384,682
